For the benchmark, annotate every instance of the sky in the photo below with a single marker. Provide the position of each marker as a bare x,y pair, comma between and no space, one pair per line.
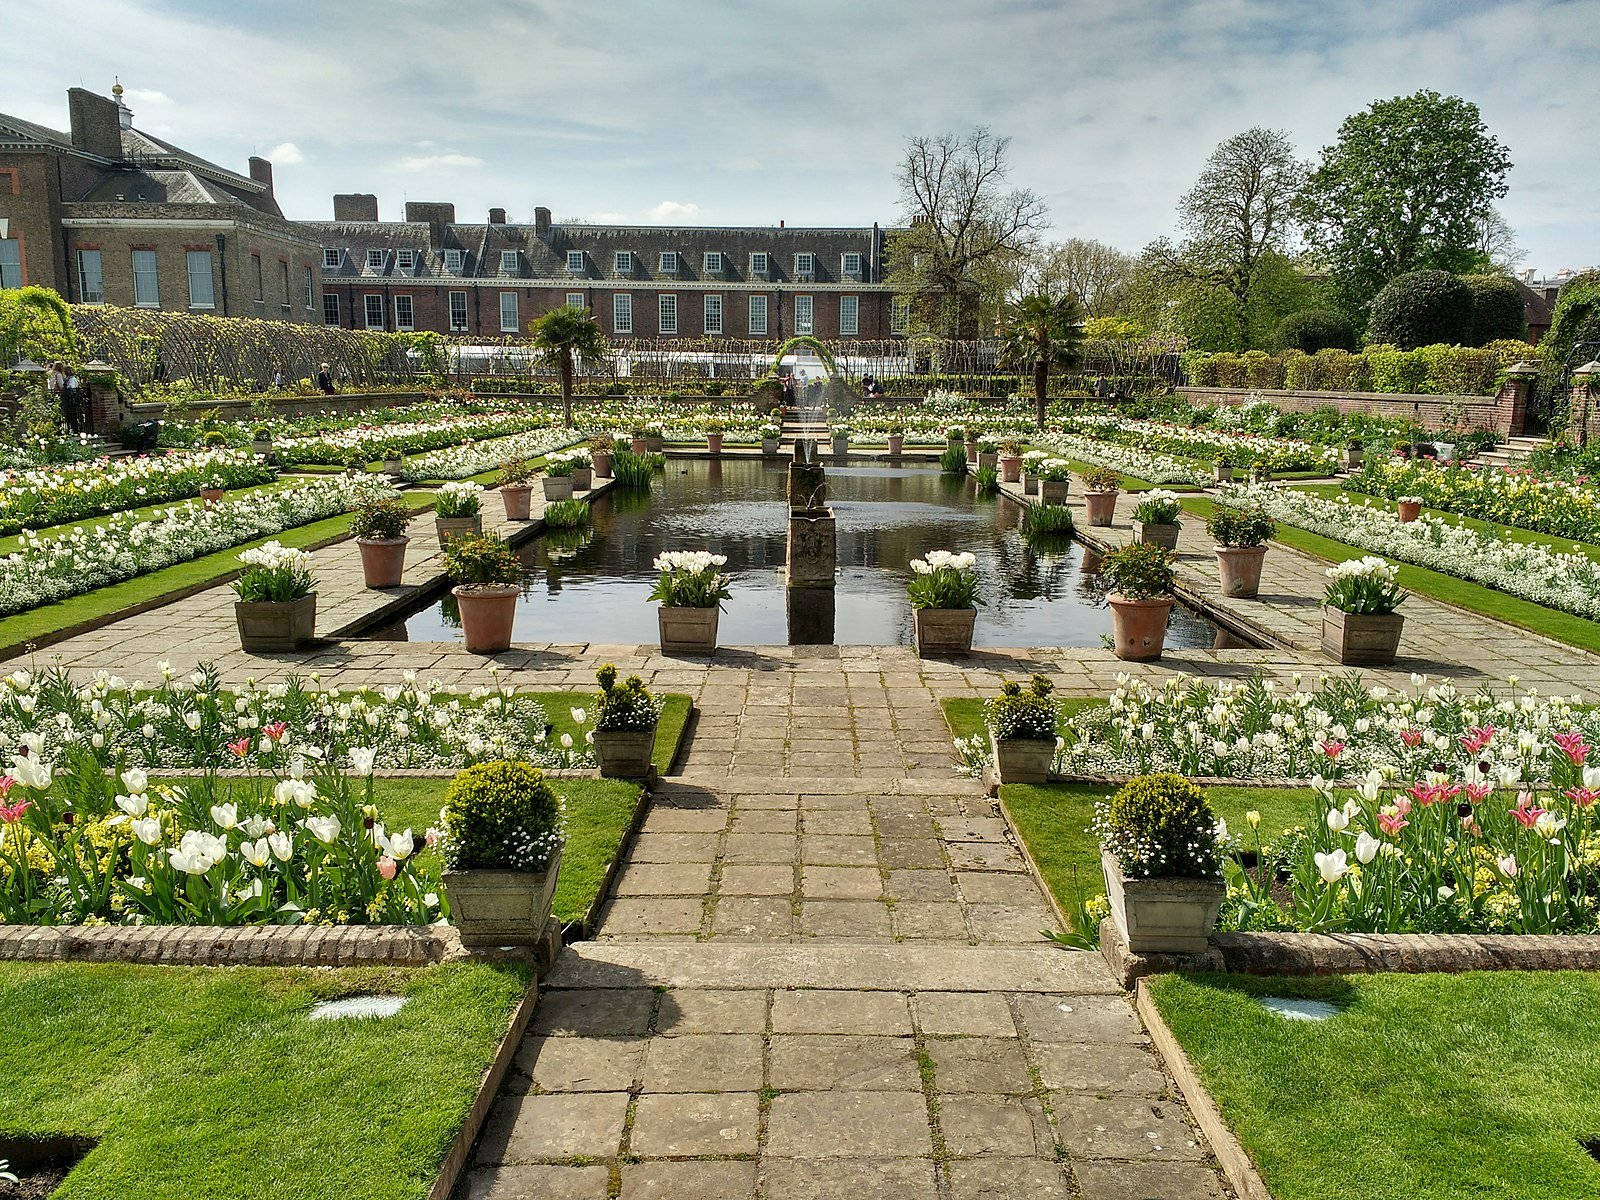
735,112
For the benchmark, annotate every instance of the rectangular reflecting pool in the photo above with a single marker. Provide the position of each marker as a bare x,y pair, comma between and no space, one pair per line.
592,585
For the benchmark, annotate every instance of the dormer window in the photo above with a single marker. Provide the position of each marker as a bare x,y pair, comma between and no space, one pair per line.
405,260
575,262
805,265
508,262
667,264
331,259
454,260
758,265
622,262
711,262
375,259
850,266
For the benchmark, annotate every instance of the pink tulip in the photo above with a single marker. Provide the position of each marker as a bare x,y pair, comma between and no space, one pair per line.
12,814
241,747
1412,738
1392,823
1573,746
387,867
1526,813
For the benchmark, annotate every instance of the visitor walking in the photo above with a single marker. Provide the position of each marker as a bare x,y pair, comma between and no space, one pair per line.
325,380
74,403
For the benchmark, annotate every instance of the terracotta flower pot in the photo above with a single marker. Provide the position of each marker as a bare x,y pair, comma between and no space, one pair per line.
897,443
714,443
1010,468
1156,535
1054,491
972,454
487,615
557,487
502,908
518,499
602,464
383,560
1139,627
624,753
449,527
1022,760
638,446
1410,510
942,630
1100,508
210,496
1163,914
688,630
1240,568
1361,639
275,627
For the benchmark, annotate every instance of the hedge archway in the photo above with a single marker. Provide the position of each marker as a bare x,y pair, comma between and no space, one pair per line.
811,343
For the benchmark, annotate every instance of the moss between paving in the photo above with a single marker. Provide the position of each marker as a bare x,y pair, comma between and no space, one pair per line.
212,1082
1426,1087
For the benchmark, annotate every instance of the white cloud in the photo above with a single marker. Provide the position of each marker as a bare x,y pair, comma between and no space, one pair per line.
145,96
285,154
418,163
672,210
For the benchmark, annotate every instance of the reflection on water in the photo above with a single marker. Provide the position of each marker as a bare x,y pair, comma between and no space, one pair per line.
591,585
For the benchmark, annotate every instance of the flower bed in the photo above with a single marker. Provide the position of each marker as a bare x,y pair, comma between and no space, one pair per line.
73,492
1141,464
1511,497
1241,449
369,442
474,458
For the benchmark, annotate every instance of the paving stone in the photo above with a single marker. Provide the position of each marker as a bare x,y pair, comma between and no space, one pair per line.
1011,1179
1005,1126
972,1014
920,885
704,1063
674,848
909,853
1146,1181
840,851
916,826
685,820
759,848
839,823
688,1181
984,856
753,917
1123,1127
691,1010
764,820
820,1062
1079,1019
569,1064
664,879
846,1179
942,921
997,888
841,883
1009,923
535,1182
848,1124
680,1125
814,1011
594,1012
531,1128
974,1064
845,919
1099,1067
655,914
768,880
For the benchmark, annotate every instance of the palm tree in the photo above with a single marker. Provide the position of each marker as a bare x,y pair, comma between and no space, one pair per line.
1042,333
561,337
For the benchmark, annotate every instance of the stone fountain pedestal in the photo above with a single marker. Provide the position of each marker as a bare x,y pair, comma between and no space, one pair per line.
812,555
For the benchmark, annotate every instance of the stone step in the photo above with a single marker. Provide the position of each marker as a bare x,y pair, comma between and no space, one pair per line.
838,966
798,785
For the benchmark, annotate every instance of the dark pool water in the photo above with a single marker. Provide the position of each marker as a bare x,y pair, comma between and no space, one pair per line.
594,588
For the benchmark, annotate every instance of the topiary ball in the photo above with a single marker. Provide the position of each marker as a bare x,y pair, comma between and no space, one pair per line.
1161,825
1422,308
501,816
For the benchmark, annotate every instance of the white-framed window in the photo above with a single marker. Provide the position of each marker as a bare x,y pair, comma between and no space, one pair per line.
375,259
622,313
575,262
667,262
802,314
405,260
622,262
454,260
805,265
374,310
404,313
508,262
330,308
849,316
508,312
91,277
711,262
311,290
202,286
899,316
713,314
575,300
458,312
331,258
667,313
758,314
850,265
758,265
10,263
146,284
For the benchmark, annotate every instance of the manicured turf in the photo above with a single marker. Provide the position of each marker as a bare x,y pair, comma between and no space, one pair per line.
964,714
1563,627
1053,819
1426,1087
211,1082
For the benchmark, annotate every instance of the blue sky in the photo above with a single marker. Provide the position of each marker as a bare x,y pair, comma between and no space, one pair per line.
748,111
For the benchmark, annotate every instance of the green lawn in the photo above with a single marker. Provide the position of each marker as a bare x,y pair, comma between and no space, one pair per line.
1426,1087
964,714
1053,819
1525,614
207,1082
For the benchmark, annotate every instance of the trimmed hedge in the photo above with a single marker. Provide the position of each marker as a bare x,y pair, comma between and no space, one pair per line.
1421,308
1436,370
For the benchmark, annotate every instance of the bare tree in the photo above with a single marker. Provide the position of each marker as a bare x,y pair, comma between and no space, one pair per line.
1092,273
965,231
1497,242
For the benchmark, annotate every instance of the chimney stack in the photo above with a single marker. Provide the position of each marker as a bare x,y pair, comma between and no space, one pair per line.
497,216
96,123
780,222
355,206
541,223
434,214
261,172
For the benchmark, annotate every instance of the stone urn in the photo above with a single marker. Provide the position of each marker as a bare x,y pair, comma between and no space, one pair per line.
1162,914
941,631
1022,760
1054,491
1240,569
1139,627
688,630
557,487
488,612
449,527
714,443
602,464
501,908
1011,468
897,443
383,560
1100,508
624,753
1361,639
275,626
1150,534
518,499
1410,510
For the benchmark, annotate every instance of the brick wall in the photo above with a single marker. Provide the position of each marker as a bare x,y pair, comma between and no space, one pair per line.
30,200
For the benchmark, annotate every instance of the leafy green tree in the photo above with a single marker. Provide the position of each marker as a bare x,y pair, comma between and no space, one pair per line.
1041,333
1421,308
562,338
1409,185
1314,329
1498,310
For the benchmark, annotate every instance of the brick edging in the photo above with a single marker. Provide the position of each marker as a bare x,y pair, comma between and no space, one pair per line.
1409,953
234,946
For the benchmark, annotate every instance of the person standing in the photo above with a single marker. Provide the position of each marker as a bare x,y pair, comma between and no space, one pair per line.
325,380
72,402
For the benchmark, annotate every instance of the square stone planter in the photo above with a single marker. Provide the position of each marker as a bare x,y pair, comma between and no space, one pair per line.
557,487
449,527
273,627
582,479
624,753
769,447
1022,760
1361,639
940,631
688,630
501,908
841,447
1030,484
1053,491
1162,915
1156,535
988,460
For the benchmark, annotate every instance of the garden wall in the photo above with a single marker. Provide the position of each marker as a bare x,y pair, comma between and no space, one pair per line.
1435,412
241,408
